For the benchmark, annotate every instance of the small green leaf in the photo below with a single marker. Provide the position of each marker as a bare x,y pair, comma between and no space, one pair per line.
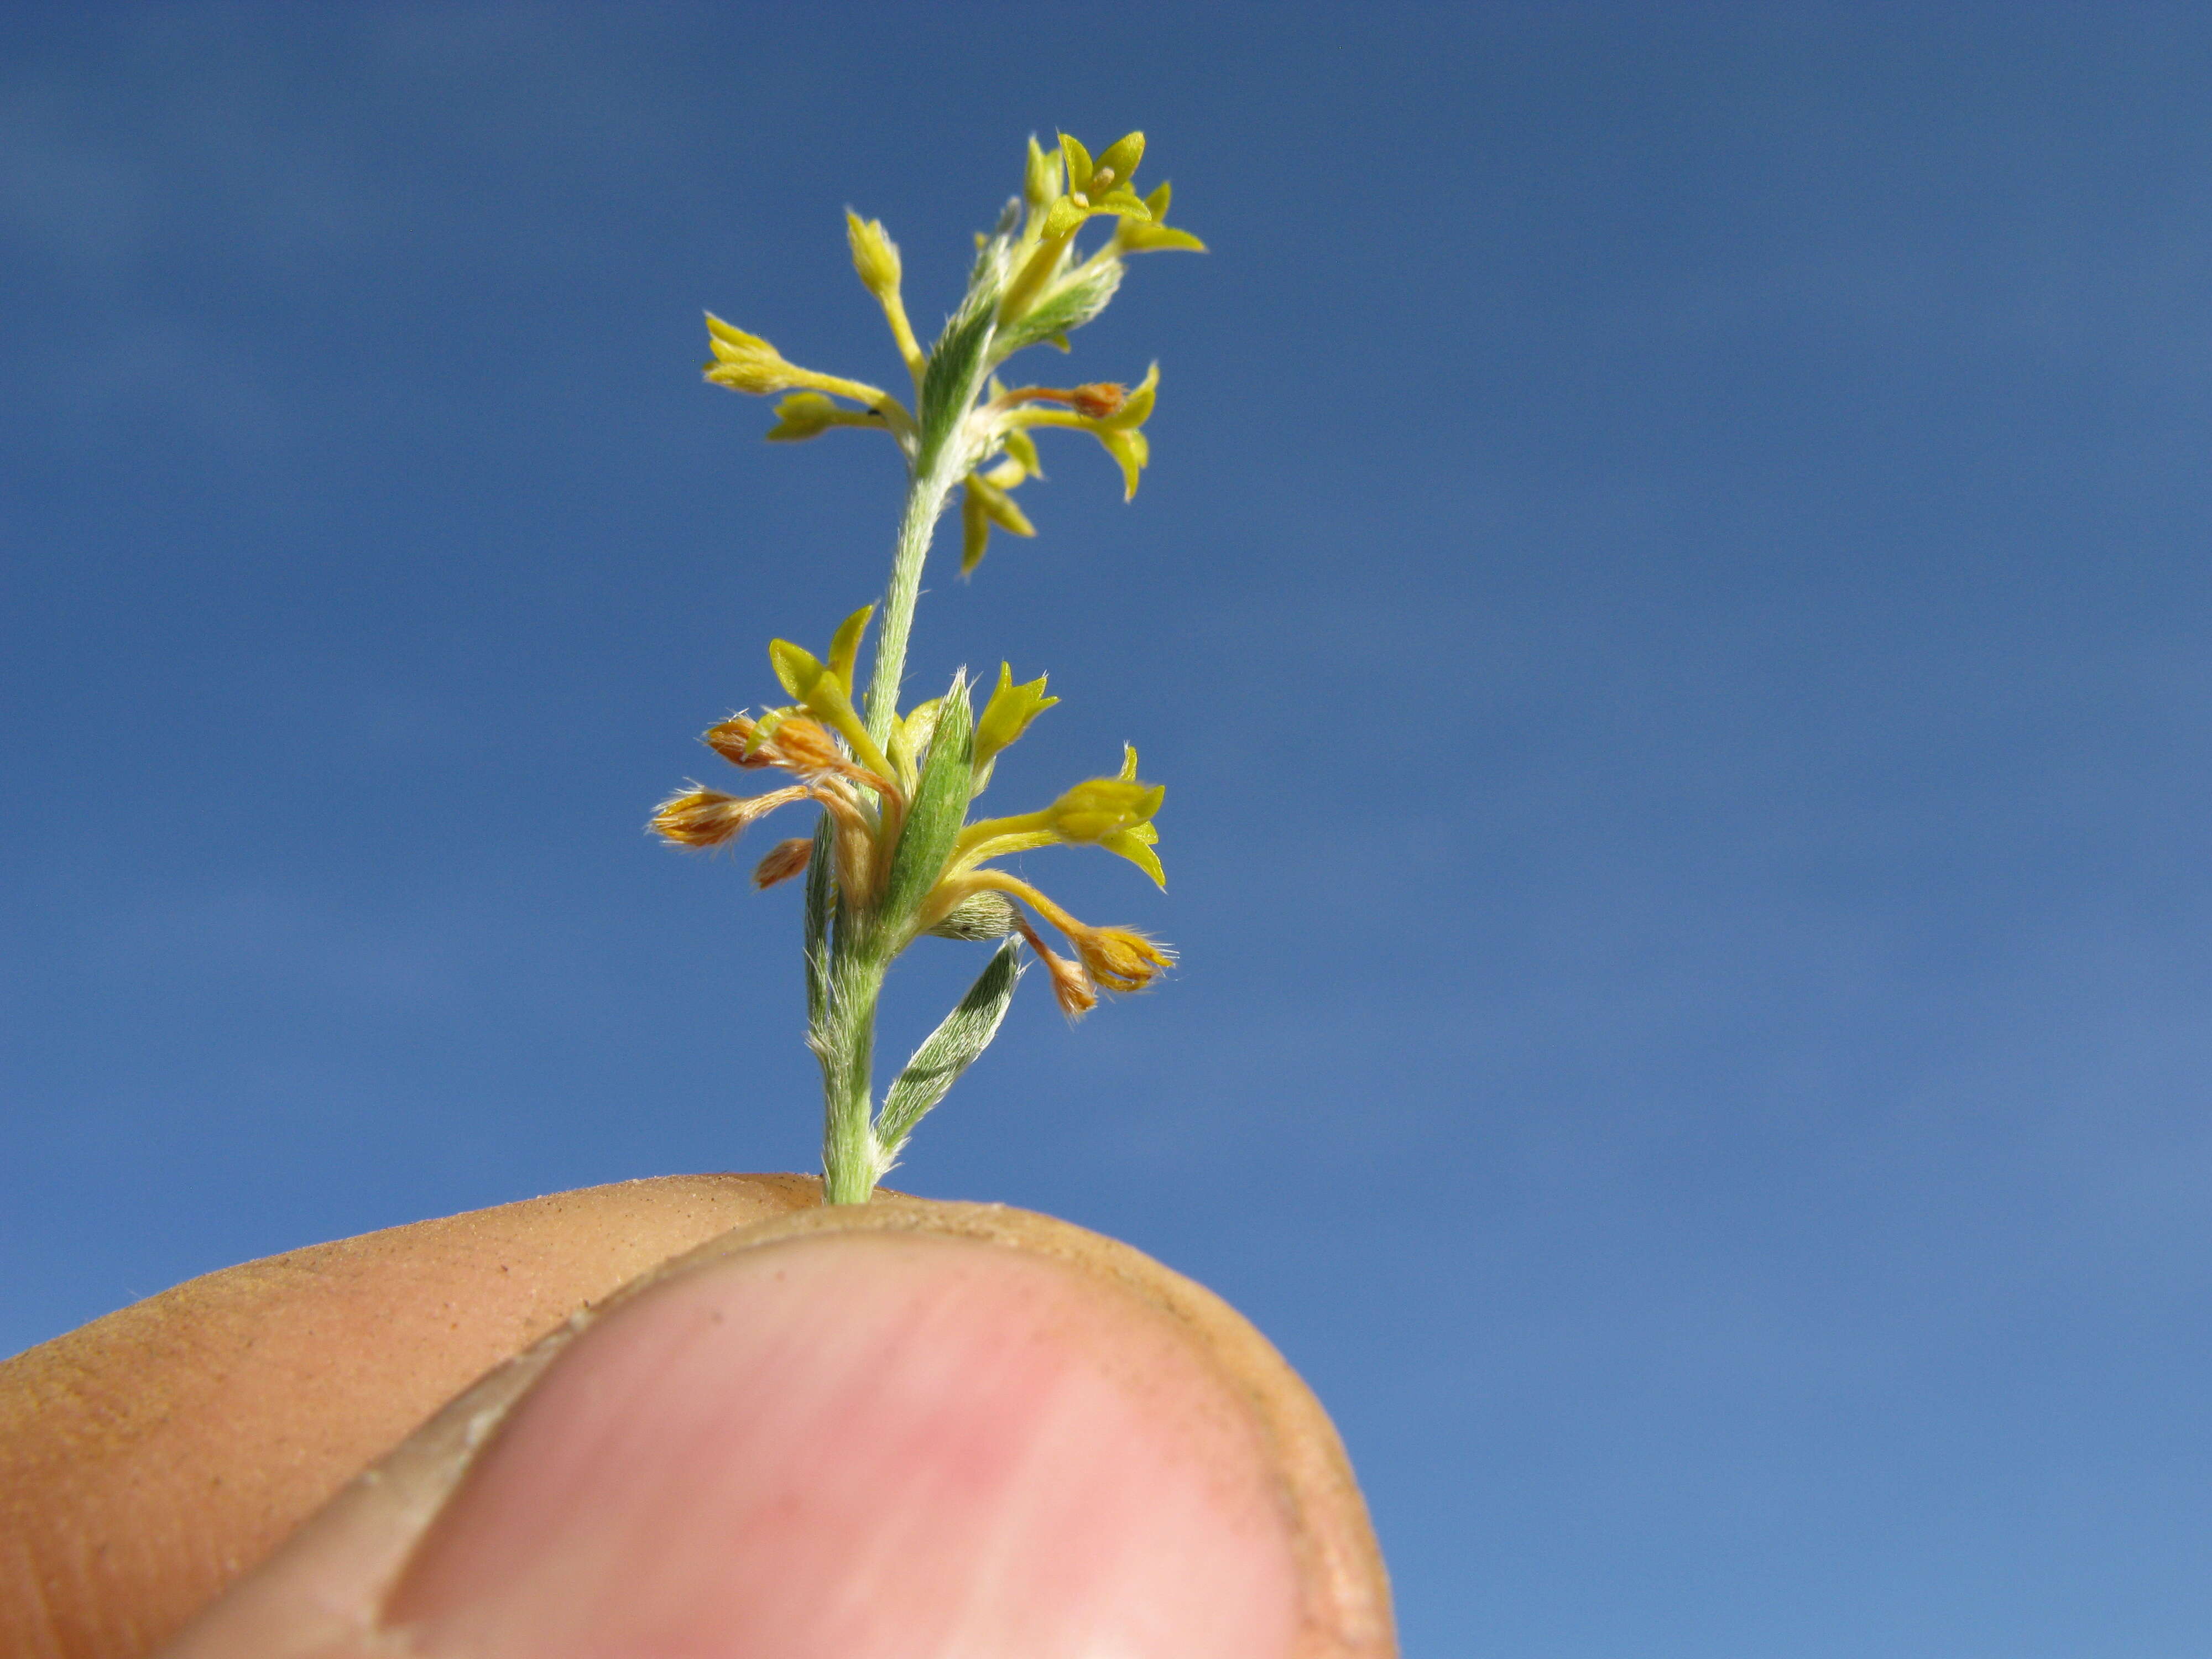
1136,846
950,1049
1071,305
949,382
820,887
934,818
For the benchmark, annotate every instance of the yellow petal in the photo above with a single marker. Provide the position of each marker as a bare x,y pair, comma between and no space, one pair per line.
1120,156
1139,238
1063,217
845,645
1022,448
1137,408
1126,203
1000,506
1135,847
720,335
796,667
1130,452
1079,164
745,362
921,723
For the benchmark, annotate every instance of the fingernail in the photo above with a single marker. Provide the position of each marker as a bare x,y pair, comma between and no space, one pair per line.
862,1436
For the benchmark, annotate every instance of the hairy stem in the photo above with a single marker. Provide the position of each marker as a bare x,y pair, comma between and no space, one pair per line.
851,1159
933,480
844,1029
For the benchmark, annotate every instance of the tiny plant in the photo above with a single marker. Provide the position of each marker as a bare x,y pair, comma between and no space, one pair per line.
895,852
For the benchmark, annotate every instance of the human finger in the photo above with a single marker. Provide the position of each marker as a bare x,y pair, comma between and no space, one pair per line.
149,1457
903,1429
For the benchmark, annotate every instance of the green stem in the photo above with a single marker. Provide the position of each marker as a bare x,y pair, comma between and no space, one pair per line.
851,1157
843,1032
932,481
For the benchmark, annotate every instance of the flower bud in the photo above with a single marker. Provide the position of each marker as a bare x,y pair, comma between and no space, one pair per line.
707,818
1121,960
1008,714
802,416
1099,806
804,745
784,860
1099,399
875,256
1070,986
745,362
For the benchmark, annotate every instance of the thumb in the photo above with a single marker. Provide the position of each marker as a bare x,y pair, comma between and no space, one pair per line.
896,1431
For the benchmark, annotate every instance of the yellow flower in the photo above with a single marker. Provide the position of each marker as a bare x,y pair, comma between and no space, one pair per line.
1006,716
1110,959
1096,187
826,688
863,792
1118,432
1062,193
1115,813
875,256
1100,807
984,502
745,362
1121,959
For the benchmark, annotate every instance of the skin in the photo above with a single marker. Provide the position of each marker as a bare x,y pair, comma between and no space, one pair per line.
713,1417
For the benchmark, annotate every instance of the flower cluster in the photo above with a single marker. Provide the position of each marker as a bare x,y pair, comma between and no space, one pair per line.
895,854
1044,290
866,792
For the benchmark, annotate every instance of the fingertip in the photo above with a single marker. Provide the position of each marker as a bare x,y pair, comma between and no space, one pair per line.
903,1430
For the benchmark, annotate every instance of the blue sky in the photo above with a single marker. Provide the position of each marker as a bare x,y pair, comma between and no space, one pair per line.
1671,605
